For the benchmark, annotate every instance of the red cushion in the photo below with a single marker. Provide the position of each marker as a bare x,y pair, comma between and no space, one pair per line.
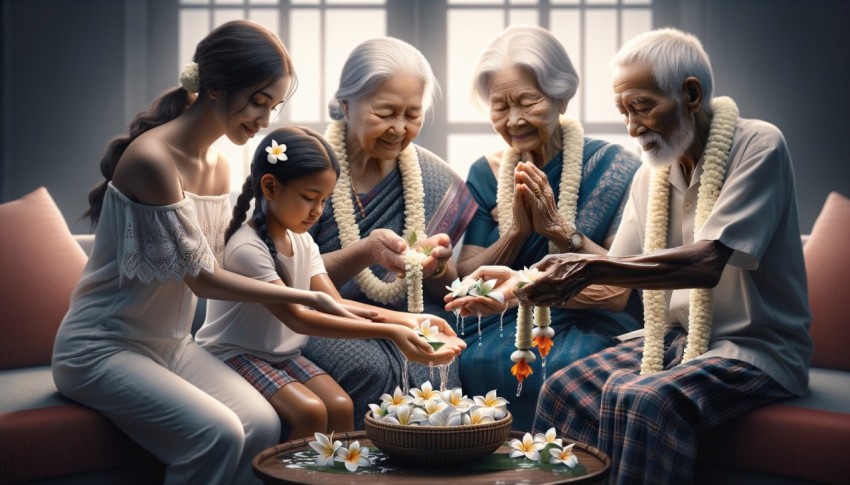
40,263
827,265
63,440
790,441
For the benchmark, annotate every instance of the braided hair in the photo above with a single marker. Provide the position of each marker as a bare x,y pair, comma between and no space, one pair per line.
307,153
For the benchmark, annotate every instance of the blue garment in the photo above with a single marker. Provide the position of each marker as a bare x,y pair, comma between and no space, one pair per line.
607,171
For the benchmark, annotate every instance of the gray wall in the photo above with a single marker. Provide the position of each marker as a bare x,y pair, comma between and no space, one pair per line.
74,72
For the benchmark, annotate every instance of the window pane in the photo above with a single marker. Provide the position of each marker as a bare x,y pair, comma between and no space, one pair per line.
601,2
466,44
600,45
523,16
263,2
354,2
345,29
465,149
224,15
228,2
194,25
564,2
267,17
304,44
304,2
524,2
566,26
636,21
194,2
475,2
637,2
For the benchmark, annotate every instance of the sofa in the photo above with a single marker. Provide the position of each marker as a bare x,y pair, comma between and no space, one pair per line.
47,439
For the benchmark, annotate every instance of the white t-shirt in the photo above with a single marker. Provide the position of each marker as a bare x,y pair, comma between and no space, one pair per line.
761,310
234,328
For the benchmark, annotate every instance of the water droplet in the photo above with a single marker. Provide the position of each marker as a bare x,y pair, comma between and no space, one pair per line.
444,375
479,330
518,389
543,364
431,371
461,326
404,371
502,321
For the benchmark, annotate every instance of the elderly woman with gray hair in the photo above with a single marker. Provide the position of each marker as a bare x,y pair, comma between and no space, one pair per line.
551,190
380,201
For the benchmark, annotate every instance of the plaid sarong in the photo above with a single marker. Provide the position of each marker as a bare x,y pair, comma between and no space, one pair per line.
268,378
648,425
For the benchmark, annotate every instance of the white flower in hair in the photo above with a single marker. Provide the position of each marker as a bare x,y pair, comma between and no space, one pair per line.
190,78
276,152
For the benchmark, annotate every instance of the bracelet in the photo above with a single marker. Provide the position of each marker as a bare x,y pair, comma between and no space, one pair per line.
440,272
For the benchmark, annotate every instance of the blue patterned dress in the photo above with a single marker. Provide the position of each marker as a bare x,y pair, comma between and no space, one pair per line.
606,176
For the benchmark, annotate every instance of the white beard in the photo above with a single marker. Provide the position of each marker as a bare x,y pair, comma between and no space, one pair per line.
666,152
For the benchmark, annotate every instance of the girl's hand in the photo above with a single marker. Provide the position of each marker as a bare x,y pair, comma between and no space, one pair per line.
438,322
386,249
416,349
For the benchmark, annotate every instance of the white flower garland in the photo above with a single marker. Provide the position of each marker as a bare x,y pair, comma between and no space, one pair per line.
414,220
720,138
572,135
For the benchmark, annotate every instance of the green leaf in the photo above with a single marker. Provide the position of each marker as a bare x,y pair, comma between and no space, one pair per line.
435,344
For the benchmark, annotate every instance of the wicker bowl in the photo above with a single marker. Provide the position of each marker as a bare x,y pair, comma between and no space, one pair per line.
437,445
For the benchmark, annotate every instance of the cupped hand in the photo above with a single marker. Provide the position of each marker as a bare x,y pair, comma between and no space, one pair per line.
416,349
386,249
440,246
506,279
436,321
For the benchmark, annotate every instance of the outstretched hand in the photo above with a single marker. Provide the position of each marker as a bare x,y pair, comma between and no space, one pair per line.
563,277
416,349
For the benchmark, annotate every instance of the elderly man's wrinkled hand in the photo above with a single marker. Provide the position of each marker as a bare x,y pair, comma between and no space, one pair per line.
564,276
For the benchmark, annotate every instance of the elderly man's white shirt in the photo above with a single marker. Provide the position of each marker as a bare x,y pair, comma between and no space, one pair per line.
761,312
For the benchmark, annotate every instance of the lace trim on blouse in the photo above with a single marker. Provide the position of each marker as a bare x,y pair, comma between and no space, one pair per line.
167,242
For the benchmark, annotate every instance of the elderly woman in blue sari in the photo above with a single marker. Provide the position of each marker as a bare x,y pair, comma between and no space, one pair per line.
388,188
550,191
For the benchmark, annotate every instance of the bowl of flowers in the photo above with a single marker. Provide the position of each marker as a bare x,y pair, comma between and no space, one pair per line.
429,427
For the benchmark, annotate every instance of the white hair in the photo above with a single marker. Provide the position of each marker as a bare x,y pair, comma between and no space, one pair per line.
674,56
376,60
533,48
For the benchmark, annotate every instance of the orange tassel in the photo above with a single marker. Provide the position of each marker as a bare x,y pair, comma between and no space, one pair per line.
521,370
544,345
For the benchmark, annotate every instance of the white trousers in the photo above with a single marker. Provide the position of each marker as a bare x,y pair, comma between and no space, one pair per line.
185,406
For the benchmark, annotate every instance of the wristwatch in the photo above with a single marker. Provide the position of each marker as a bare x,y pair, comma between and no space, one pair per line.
576,241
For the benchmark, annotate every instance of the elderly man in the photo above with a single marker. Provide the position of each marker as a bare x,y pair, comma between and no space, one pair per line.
710,234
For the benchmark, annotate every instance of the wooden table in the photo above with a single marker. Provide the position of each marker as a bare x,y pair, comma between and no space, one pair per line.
292,462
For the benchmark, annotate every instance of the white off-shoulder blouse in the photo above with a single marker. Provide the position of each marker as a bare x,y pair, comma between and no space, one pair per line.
132,289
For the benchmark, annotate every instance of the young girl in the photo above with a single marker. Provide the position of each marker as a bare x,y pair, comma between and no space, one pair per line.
124,347
293,172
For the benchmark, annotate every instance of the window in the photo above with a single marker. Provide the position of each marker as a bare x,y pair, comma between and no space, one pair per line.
320,33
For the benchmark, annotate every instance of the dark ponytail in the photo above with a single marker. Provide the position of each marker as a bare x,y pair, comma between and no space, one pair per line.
234,56
166,107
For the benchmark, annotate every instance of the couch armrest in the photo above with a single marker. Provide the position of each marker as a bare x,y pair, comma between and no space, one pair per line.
86,241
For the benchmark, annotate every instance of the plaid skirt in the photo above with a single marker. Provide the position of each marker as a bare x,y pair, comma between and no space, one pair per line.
648,424
268,378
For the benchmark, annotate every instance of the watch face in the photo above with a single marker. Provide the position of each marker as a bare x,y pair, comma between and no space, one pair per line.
577,240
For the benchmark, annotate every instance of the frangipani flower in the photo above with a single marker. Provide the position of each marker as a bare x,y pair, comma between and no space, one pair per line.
448,416
456,398
406,416
485,288
325,448
425,393
481,415
379,412
549,438
526,276
527,447
433,407
563,455
491,400
396,400
354,456
276,152
461,288
427,331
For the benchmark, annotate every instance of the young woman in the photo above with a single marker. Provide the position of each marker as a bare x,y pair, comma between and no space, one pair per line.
124,347
293,173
